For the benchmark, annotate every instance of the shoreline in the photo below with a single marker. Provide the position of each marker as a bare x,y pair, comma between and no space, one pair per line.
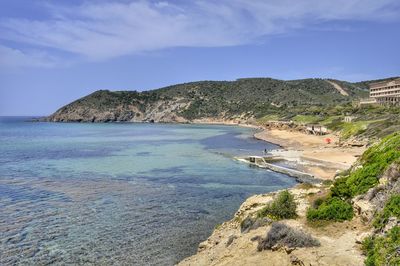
306,151
312,153
313,156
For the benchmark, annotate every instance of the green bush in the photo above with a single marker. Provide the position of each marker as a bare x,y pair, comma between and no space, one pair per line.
383,250
283,207
374,162
318,202
392,208
331,209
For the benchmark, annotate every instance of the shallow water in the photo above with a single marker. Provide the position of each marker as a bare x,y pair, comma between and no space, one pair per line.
138,194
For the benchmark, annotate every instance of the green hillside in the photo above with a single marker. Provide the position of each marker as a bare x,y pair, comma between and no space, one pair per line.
243,99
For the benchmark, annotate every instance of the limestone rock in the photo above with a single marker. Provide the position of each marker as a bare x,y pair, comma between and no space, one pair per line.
364,208
294,260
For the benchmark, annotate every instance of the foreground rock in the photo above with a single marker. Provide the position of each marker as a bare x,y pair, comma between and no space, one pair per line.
228,245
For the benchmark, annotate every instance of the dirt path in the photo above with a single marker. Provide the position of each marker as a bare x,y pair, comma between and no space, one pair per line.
340,89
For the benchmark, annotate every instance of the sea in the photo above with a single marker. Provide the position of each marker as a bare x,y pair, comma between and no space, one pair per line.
121,193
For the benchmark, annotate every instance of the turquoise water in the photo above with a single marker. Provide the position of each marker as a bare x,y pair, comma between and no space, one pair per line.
136,194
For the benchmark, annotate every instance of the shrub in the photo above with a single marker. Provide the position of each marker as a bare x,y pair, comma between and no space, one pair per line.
283,207
341,189
374,162
331,209
281,234
251,223
392,208
318,202
384,250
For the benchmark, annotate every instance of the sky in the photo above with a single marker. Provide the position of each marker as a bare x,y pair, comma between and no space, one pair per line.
53,52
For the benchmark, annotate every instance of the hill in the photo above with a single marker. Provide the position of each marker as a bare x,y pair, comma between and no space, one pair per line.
240,100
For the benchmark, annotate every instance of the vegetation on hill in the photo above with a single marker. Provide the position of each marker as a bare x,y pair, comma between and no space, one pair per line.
336,206
241,99
332,209
391,209
368,121
373,163
283,207
254,97
383,250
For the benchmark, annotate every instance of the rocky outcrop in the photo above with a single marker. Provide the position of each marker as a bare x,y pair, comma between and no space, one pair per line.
137,111
230,245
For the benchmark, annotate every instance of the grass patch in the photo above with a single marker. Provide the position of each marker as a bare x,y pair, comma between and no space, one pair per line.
307,119
374,162
268,118
283,207
283,235
330,209
353,129
331,120
391,209
383,250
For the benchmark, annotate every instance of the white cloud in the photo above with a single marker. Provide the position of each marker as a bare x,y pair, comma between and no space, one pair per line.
103,30
10,57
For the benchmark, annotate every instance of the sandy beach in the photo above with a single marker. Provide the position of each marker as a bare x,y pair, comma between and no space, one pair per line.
312,152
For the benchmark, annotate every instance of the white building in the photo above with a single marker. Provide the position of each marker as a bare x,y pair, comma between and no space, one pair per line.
386,92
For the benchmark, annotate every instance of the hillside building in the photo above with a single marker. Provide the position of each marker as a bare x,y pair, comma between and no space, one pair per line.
386,93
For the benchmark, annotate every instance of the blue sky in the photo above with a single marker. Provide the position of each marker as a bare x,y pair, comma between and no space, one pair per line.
53,52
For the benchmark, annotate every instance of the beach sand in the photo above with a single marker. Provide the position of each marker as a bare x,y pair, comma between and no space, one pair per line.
312,152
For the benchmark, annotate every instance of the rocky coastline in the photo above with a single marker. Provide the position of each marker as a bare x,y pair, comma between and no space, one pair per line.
341,243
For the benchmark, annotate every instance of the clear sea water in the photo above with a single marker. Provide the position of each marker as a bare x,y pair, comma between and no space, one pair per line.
120,194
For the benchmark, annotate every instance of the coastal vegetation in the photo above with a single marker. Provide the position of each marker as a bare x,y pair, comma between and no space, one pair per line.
336,205
391,209
332,209
373,163
383,250
283,207
371,122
